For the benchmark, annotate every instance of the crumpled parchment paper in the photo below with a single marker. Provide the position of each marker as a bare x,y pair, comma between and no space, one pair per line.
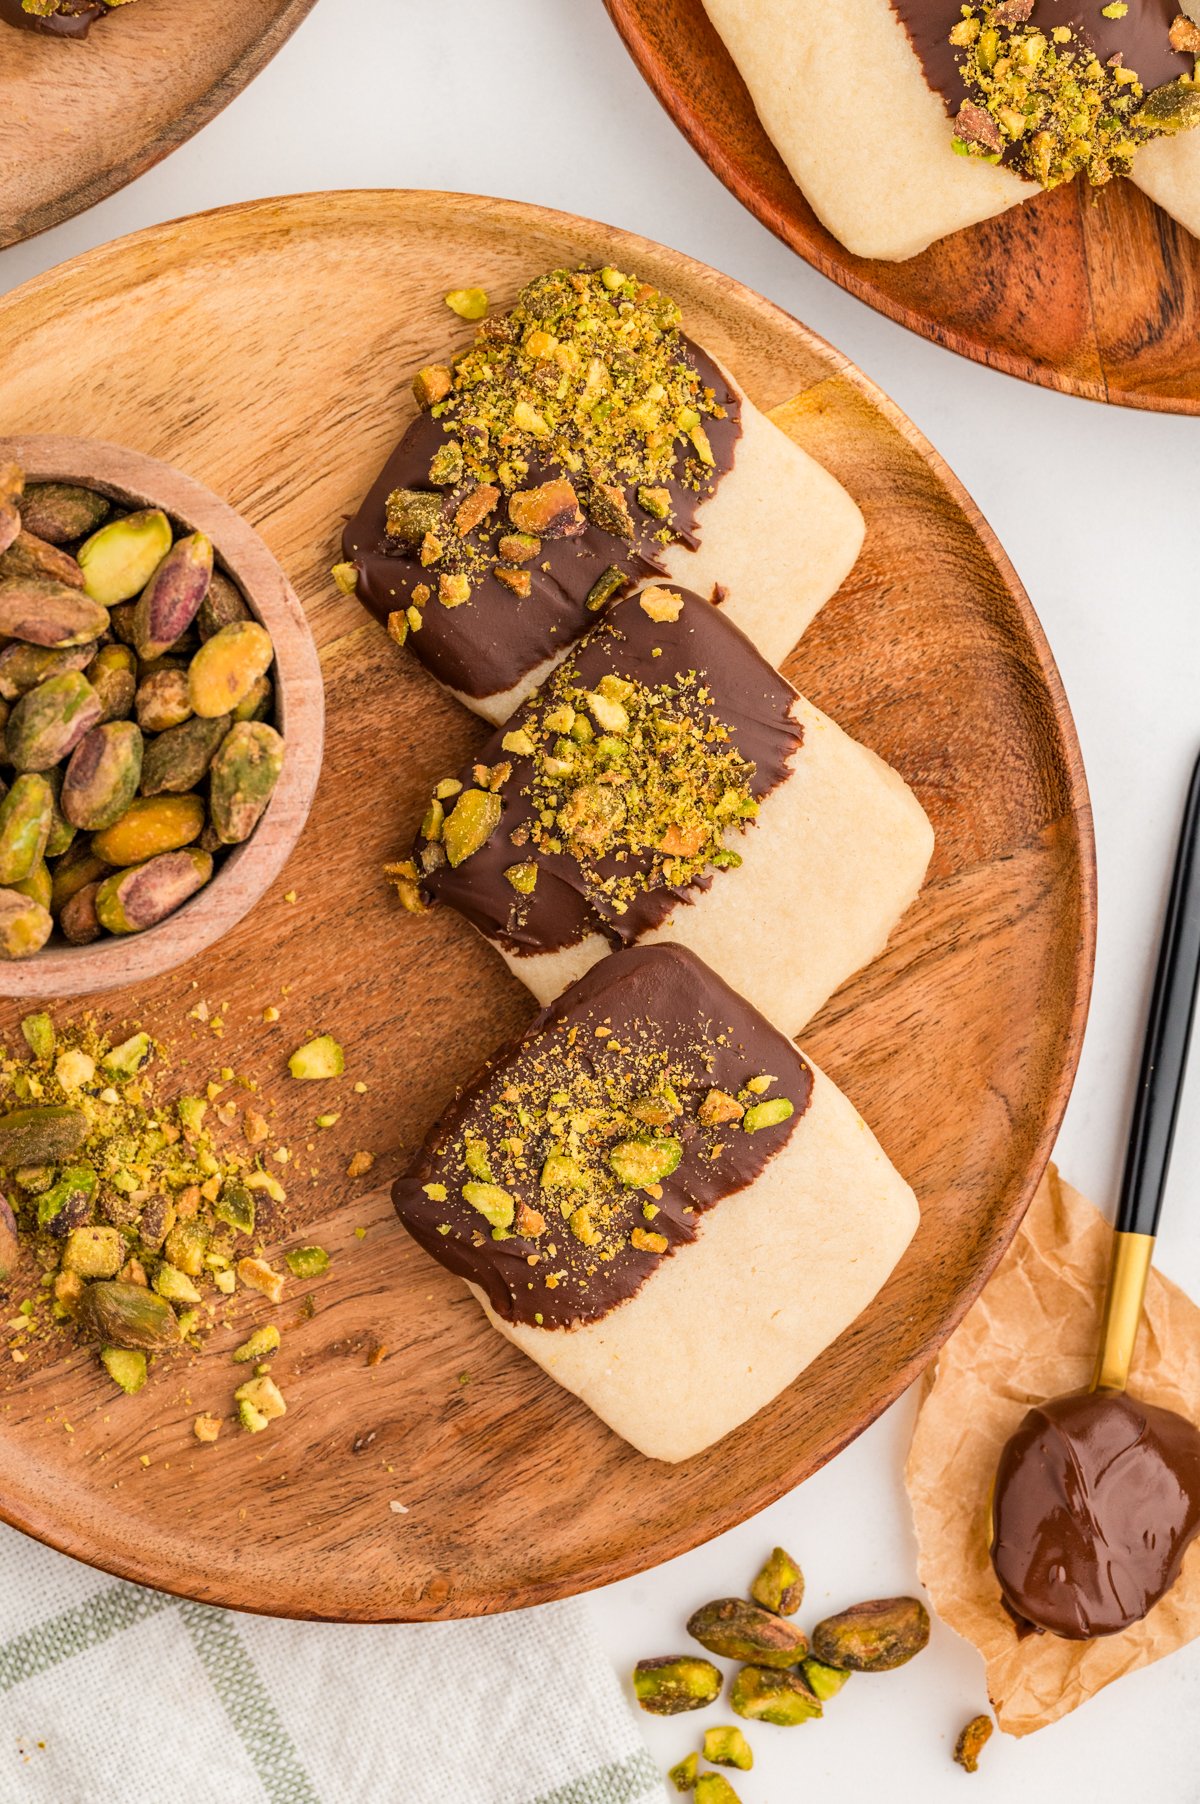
1033,1334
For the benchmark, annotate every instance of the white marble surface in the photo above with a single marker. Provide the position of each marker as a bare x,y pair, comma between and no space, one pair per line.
536,99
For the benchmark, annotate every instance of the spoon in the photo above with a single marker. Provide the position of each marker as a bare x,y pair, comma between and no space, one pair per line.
1097,1495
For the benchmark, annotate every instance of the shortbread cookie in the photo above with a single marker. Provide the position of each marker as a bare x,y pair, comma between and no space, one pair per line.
864,99
661,1201
581,445
66,19
667,784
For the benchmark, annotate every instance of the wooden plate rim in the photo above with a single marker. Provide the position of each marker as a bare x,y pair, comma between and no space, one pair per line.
192,119
843,269
517,215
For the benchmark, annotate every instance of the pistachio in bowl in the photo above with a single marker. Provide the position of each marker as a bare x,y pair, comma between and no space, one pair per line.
142,714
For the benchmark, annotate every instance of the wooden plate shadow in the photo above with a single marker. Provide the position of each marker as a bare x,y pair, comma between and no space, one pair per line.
79,120
267,349
1093,293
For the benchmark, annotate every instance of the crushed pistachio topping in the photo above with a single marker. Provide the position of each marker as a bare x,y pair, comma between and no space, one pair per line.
580,404
1049,105
571,1148
637,783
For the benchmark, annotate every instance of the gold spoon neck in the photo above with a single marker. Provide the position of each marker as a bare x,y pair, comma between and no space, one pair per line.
1131,1259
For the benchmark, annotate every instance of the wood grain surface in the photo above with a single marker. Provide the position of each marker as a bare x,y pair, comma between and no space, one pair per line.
268,350
136,481
1095,292
79,119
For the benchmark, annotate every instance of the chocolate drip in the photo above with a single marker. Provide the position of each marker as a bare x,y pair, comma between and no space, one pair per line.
1140,38
750,698
493,641
1097,1499
655,1000
76,22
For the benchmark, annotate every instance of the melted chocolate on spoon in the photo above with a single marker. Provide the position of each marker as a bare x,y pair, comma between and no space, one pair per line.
1097,1500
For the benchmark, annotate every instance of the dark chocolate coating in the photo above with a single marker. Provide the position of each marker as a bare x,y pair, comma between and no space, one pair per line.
656,997
73,24
493,641
1097,1499
751,699
1140,38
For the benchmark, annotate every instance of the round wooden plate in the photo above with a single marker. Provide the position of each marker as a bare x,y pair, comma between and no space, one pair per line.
267,349
1092,292
80,119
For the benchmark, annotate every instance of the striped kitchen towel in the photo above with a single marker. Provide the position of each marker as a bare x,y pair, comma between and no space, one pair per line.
110,1694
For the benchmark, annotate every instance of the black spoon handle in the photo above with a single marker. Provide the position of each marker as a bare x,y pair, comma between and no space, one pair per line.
1164,1056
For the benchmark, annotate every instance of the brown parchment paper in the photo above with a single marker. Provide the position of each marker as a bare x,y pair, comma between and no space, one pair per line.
1032,1335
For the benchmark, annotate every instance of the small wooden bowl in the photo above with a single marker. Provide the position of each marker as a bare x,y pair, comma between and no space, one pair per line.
248,870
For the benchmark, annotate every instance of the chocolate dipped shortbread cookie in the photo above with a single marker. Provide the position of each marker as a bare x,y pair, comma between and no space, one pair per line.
57,18
651,1156
580,445
905,120
666,783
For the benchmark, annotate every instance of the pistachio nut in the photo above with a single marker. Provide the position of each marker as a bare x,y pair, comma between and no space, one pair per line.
257,702
178,759
120,621
95,1252
740,1631
78,919
12,482
683,1774
10,525
645,1161
26,816
47,724
25,925
68,1203
130,901
30,556
23,667
37,1030
470,823
38,886
771,1113
222,606
227,666
172,597
41,611
674,1683
128,1315
61,511
125,1367
411,513
824,1681
77,867
242,779
235,1207
550,511
971,1743
119,560
714,1788
319,1058
763,1694
102,777
307,1262
876,1636
780,1584
162,700
728,1747
148,826
113,675
10,1245
41,1136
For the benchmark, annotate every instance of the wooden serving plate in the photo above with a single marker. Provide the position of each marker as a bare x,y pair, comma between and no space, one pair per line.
268,350
1092,292
80,119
